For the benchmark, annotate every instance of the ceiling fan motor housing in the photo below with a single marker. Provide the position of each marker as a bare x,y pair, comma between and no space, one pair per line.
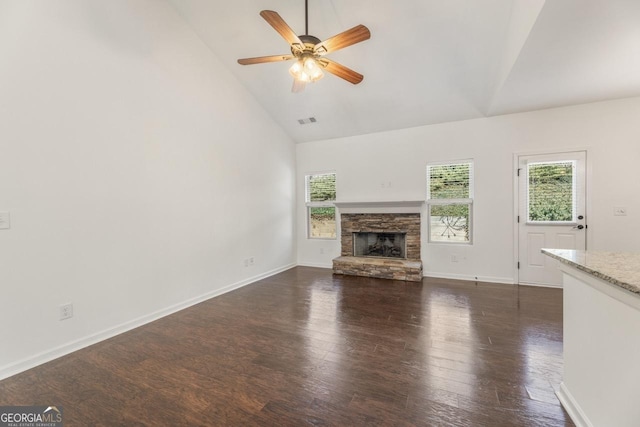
309,42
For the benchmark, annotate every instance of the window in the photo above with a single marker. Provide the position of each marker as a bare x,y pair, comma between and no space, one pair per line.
450,201
552,192
321,212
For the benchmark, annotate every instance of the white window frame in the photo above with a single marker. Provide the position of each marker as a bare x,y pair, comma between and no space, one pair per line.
323,204
441,202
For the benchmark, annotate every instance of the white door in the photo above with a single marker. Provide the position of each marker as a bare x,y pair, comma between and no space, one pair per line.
551,212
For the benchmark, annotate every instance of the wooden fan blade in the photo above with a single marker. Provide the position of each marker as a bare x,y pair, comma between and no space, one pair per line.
262,59
298,86
355,35
281,27
341,71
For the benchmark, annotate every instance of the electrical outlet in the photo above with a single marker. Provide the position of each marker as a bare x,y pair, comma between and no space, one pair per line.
66,311
454,258
5,222
620,211
251,261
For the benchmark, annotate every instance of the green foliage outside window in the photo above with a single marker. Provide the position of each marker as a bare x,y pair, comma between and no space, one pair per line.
321,188
449,181
323,213
451,210
551,192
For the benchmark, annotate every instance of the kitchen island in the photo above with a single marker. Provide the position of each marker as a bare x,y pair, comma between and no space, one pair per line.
601,309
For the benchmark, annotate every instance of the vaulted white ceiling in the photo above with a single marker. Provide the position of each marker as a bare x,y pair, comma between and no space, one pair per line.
429,61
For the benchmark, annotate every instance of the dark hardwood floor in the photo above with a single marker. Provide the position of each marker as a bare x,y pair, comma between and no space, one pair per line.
305,347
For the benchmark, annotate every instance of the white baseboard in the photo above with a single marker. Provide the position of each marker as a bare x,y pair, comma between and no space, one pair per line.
316,265
64,349
502,280
490,279
542,285
570,405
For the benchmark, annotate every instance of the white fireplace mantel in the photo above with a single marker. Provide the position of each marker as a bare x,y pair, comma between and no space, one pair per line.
397,206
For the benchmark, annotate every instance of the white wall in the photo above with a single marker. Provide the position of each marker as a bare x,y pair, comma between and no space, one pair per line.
365,165
138,173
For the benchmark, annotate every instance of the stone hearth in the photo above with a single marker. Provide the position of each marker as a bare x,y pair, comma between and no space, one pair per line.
409,268
382,268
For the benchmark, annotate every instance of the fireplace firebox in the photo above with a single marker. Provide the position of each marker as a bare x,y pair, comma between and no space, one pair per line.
385,245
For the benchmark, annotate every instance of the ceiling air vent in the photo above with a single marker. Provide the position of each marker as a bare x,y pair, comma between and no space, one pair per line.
307,121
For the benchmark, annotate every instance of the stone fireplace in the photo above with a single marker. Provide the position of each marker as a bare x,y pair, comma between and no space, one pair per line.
380,244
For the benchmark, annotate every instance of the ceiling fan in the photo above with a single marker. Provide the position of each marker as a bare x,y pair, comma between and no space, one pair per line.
309,51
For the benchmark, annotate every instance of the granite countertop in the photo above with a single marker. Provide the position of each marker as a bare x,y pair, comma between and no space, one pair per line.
619,268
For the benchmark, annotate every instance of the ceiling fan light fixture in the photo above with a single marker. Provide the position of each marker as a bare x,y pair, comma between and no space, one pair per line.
306,69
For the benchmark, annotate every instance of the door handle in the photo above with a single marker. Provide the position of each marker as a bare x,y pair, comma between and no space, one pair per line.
579,227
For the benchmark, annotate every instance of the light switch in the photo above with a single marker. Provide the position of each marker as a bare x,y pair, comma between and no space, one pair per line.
620,211
5,222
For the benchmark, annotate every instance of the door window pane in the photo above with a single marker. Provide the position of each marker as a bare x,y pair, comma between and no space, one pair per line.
551,191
